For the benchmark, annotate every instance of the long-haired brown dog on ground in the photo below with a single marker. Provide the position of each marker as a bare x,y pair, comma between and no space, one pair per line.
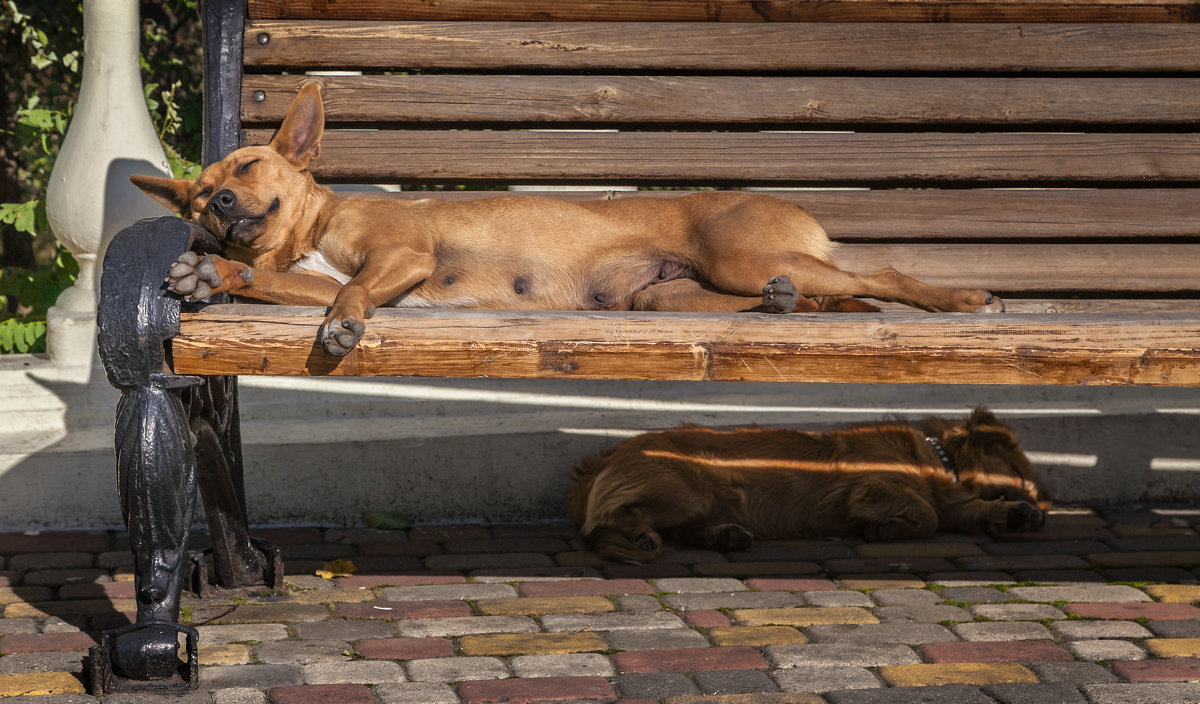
723,488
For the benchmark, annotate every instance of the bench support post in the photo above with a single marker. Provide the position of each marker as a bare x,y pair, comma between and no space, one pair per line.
174,434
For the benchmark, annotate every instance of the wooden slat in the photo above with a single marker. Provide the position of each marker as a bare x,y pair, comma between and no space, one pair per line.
1003,349
728,47
736,10
1010,214
728,99
1140,269
752,157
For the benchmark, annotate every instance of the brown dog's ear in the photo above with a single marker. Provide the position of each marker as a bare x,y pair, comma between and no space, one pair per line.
299,137
171,192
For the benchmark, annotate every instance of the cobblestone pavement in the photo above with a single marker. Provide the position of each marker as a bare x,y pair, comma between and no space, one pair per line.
1099,607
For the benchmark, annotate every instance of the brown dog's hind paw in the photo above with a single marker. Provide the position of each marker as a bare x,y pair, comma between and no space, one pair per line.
780,295
731,536
192,276
338,337
1023,515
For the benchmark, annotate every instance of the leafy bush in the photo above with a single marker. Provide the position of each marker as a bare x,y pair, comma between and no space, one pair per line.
41,45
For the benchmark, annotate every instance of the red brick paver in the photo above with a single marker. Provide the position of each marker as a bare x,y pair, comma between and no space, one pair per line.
1153,611
706,618
47,642
1167,670
322,694
994,651
536,689
690,659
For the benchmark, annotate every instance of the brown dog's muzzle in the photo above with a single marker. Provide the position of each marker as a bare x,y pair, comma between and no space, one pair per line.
234,222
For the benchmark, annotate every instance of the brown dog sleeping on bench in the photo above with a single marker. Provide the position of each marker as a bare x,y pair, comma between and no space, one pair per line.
721,489
289,240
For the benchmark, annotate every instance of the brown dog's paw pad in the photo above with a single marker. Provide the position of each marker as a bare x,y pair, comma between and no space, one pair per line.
780,295
1023,515
733,537
338,337
648,542
192,276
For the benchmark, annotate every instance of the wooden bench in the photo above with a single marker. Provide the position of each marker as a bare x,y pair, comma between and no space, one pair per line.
1044,150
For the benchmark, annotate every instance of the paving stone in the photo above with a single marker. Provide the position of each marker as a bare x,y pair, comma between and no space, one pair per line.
239,633
39,683
256,676
444,592
638,602
802,616
1146,543
969,578
923,614
96,590
276,613
12,626
732,600
973,595
544,605
756,636
413,548
343,629
615,621
887,565
948,694
838,598
1092,594
1166,558
809,550
19,663
395,610
1159,647
48,642
1046,547
994,651
239,695
222,654
790,584
115,559
750,570
1176,575
509,545
1166,670
698,585
51,560
653,570
1173,628
880,633
537,689
654,685
923,549
941,674
586,587
704,619
1018,612
689,659
287,536
405,648
321,694
839,654
467,625
57,578
1002,630
1012,563
1172,593
416,693
567,665
1035,693
530,643
1105,650
1154,611
302,652
1092,630
476,561
734,682
758,698
54,541
353,672
660,639
370,581
825,678
905,597
881,581
67,609
1143,693
456,669
504,575
1059,577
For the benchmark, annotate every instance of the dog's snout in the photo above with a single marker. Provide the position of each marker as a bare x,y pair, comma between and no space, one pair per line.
222,202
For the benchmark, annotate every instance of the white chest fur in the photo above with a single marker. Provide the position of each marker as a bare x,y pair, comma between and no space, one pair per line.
317,263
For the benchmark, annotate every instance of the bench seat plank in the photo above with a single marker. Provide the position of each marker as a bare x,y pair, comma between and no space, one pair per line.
728,47
752,157
787,100
1007,349
735,10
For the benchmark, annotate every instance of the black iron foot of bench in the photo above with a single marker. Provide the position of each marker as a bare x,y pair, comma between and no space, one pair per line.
174,434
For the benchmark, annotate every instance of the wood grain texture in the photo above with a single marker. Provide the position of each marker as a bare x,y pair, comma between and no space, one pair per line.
726,47
622,100
736,10
751,157
904,348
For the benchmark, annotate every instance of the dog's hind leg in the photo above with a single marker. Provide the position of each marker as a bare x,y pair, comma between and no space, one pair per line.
888,510
690,296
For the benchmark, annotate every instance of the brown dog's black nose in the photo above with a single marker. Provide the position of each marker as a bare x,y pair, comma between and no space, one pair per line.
222,202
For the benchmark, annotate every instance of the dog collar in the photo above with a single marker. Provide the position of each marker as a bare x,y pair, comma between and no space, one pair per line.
944,456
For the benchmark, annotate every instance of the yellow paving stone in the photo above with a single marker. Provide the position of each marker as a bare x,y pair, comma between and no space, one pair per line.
69,607
881,581
947,550
1173,647
1174,593
765,698
531,643
970,673
1145,558
36,683
223,654
756,636
803,616
122,575
17,595
545,605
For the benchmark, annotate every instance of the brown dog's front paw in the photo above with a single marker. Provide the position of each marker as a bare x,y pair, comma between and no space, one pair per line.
991,304
194,277
338,337
780,295
1023,515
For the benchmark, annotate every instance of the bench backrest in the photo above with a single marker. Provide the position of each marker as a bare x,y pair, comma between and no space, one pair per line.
1047,151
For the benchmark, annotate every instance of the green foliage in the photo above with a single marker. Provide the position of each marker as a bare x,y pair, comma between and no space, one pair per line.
41,49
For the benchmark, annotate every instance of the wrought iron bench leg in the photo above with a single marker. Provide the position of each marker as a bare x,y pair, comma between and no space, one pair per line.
165,423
